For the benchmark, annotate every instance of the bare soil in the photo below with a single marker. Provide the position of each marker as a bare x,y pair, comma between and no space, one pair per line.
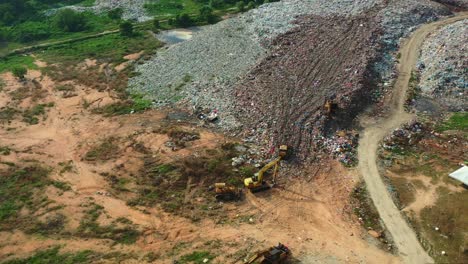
313,217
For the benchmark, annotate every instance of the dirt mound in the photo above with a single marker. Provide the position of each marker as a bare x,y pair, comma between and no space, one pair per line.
323,58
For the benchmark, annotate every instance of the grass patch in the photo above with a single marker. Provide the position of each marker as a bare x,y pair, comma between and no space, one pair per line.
5,151
406,190
19,187
53,255
31,115
106,150
2,84
458,121
65,88
136,104
449,214
166,184
365,209
14,61
7,114
108,48
120,230
196,257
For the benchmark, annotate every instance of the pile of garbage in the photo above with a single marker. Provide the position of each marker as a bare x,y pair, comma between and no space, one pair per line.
342,146
203,70
408,135
442,66
226,66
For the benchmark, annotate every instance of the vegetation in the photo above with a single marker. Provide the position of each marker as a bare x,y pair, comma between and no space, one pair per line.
103,48
30,116
12,62
121,230
70,21
115,14
166,184
196,257
107,149
365,209
19,72
458,121
137,103
126,29
20,187
450,216
53,255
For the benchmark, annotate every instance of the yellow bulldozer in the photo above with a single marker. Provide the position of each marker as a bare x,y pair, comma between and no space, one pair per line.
256,183
225,192
274,255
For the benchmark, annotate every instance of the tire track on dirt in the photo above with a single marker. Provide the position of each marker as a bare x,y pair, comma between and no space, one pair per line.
404,237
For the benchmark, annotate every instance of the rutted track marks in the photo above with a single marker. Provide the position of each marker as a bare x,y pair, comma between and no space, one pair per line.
322,58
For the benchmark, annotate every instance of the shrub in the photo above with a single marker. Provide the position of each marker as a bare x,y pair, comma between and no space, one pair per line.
183,20
240,6
19,71
30,31
126,29
115,14
70,21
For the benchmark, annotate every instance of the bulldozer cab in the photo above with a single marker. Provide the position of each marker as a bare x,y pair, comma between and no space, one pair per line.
283,151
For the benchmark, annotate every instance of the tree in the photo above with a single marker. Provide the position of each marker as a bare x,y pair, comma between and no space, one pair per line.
30,31
70,21
206,14
115,14
250,5
240,6
126,29
19,71
183,20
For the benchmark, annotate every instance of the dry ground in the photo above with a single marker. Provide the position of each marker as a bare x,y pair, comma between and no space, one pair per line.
101,160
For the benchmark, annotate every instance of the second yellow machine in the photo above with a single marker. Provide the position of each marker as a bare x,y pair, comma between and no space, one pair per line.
256,183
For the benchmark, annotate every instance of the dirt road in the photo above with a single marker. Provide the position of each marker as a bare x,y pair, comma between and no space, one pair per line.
405,238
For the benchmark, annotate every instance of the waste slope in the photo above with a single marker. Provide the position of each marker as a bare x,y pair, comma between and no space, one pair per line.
282,99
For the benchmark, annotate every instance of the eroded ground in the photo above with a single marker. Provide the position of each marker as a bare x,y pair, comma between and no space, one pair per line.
134,187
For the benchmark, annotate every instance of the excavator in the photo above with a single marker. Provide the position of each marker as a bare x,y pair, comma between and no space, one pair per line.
256,183
273,255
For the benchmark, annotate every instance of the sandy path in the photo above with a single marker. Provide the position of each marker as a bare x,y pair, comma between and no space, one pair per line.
405,238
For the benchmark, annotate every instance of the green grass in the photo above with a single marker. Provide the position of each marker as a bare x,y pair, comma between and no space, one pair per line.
196,257
10,62
449,214
31,115
458,121
365,209
17,186
121,230
111,48
53,255
172,8
136,104
87,3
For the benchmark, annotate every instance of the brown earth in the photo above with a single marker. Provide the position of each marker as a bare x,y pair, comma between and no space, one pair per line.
313,217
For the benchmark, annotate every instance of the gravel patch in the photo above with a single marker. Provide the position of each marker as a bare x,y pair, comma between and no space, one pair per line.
443,66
